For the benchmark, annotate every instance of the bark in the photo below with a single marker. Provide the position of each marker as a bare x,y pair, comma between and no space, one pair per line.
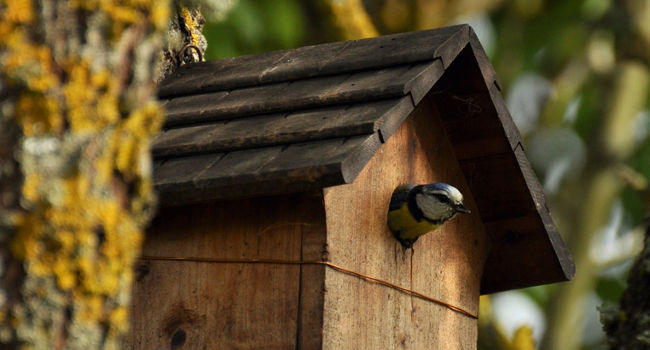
77,112
185,40
628,325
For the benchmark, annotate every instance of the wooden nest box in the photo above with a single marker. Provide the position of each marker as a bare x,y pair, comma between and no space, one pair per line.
272,166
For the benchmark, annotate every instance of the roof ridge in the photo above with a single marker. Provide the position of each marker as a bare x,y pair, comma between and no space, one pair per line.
315,61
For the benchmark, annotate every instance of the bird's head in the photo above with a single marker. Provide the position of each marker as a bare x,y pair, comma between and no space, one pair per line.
439,202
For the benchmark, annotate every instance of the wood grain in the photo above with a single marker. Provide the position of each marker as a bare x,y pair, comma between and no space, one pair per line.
318,60
190,305
316,92
264,171
447,264
281,128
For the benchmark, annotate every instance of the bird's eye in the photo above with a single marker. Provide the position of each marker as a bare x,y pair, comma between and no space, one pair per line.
441,198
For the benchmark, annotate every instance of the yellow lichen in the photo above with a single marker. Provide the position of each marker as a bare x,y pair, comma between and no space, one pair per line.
38,114
89,93
18,11
30,187
85,203
191,25
119,318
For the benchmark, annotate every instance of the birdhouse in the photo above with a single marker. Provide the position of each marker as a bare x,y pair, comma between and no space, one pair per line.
275,173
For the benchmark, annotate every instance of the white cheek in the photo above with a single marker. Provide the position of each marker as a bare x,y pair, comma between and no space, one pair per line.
431,208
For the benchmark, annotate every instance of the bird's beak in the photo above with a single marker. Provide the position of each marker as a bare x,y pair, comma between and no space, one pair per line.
461,208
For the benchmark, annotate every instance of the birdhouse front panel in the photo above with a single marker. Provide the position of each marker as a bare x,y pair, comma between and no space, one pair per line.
446,264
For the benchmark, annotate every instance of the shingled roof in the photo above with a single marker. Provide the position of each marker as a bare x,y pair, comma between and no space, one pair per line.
312,114
297,120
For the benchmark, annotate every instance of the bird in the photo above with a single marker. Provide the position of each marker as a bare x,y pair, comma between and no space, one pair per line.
417,209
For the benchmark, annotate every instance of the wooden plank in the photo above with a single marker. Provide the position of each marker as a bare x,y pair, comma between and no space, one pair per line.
178,173
448,51
220,136
196,78
463,76
278,129
562,253
353,162
512,132
447,264
221,105
420,85
191,107
481,61
312,277
458,107
301,94
304,159
511,202
487,71
521,232
468,109
519,242
193,305
389,50
319,60
500,190
480,147
471,123
177,183
266,171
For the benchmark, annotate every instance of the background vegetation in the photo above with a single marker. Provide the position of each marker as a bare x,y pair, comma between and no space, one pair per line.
77,111
576,78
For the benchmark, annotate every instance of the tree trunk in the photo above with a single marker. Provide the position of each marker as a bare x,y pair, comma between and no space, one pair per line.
628,325
77,112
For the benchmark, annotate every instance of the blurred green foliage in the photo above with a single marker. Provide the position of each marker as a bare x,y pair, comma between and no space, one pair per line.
254,27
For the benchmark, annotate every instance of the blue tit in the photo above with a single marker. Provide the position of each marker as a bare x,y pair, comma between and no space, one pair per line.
417,209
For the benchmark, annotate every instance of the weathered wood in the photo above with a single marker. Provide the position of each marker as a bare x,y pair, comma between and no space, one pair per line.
312,277
307,157
487,71
492,85
273,170
178,173
512,133
519,226
517,239
447,264
562,253
420,85
526,244
319,60
471,123
300,94
500,190
231,173
279,129
194,305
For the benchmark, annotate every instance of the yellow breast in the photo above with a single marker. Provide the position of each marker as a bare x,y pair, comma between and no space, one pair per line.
401,220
